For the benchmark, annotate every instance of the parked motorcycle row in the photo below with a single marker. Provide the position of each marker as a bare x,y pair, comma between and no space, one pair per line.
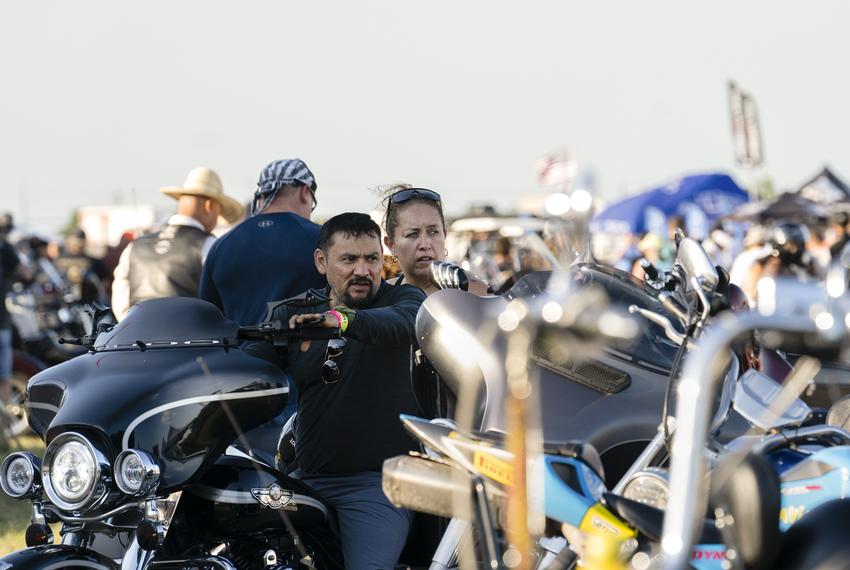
49,306
666,428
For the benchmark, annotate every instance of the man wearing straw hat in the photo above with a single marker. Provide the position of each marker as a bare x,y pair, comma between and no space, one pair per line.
168,263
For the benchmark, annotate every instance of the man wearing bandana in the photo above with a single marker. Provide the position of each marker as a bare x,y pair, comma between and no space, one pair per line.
269,256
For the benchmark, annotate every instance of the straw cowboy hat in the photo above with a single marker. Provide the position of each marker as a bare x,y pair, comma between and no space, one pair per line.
205,182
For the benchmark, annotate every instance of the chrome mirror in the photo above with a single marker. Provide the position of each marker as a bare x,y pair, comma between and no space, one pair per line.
693,259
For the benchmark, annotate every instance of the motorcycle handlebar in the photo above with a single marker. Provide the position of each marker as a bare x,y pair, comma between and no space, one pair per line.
278,331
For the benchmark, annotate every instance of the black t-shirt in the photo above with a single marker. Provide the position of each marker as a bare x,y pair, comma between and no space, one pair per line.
353,425
266,258
8,263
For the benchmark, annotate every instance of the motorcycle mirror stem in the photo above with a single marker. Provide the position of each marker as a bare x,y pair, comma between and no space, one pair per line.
673,306
660,320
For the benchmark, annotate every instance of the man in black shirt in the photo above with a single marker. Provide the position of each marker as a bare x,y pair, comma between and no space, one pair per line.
352,390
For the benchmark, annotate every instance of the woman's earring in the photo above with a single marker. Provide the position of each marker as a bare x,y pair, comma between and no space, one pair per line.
395,259
447,253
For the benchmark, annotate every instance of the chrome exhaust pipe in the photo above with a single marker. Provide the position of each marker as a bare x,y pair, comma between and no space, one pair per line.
432,487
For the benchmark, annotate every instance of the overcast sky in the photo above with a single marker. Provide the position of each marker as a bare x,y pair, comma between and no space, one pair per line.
102,99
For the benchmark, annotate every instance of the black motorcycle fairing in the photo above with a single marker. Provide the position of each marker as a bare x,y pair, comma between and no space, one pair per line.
182,404
58,556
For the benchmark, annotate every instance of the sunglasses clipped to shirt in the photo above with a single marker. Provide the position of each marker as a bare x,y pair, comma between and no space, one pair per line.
408,194
330,369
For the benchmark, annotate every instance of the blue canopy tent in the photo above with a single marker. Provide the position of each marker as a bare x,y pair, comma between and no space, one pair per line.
700,199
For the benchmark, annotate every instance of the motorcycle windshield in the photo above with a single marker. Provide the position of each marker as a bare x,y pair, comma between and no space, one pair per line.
182,402
168,321
652,348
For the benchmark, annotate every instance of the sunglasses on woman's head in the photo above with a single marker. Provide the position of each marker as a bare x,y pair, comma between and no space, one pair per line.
330,369
414,193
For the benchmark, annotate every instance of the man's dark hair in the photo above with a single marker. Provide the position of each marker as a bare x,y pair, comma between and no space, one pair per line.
350,224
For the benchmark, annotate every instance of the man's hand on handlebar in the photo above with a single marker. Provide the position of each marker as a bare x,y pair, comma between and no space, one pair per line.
324,320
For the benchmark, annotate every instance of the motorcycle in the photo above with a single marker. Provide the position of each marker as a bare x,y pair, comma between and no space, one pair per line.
139,468
809,320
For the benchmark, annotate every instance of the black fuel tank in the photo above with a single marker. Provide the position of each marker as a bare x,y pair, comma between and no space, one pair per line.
240,497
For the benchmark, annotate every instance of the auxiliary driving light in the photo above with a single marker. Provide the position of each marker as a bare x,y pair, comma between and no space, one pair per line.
18,474
650,487
136,472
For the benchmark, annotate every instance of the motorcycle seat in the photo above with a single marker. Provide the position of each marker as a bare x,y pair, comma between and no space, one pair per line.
649,521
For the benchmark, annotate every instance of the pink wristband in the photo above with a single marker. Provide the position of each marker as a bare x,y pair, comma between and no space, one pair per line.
340,318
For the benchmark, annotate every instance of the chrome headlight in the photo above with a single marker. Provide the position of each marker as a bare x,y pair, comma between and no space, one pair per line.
74,472
18,474
136,472
650,487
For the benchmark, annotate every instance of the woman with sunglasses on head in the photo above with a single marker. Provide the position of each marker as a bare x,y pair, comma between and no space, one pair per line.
415,231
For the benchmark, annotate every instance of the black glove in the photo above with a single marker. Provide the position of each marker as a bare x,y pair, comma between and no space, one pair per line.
448,276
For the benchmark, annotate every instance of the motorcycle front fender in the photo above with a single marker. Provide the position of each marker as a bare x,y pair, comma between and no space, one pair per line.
56,557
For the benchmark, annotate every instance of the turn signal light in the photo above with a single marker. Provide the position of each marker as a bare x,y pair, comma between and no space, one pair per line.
149,535
38,534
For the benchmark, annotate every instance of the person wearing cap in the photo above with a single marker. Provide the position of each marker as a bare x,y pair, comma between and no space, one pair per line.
269,256
168,263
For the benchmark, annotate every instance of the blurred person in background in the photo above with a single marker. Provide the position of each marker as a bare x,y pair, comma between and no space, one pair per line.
841,229
720,245
668,249
9,268
818,248
504,259
415,233
168,263
83,273
113,255
756,248
630,253
787,257
649,248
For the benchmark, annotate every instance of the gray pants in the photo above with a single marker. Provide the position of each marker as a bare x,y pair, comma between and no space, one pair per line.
373,531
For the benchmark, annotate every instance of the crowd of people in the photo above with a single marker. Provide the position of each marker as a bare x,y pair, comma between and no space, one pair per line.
782,247
351,389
